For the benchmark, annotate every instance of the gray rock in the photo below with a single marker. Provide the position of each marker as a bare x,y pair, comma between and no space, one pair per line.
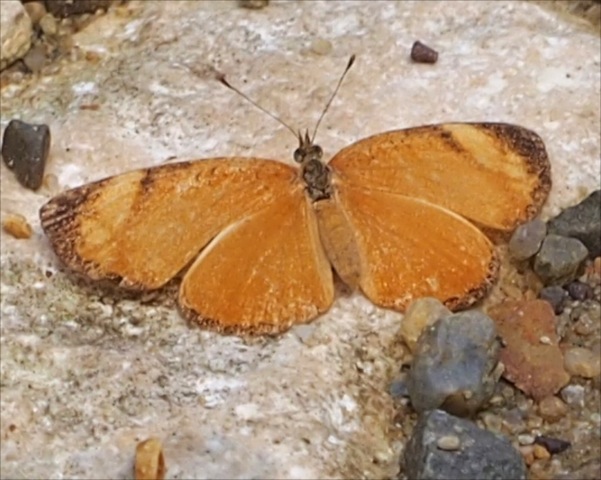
454,364
582,221
527,239
556,296
25,150
482,455
16,32
579,290
559,259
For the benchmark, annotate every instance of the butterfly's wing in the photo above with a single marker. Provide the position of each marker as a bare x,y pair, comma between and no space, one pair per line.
408,248
496,175
144,226
263,273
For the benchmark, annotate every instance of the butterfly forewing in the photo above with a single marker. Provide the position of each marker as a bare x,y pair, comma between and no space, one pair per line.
263,274
496,175
409,248
144,226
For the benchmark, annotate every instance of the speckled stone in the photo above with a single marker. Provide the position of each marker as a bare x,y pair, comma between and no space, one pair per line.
559,259
482,454
552,409
453,366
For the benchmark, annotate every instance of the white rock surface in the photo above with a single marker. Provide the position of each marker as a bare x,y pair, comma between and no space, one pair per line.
15,32
87,371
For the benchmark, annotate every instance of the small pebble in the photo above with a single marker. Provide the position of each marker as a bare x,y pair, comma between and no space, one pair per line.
421,53
49,25
253,4
35,58
552,409
552,445
527,239
321,46
17,226
540,452
525,439
421,314
582,362
573,395
449,442
586,325
66,8
579,290
559,259
25,150
556,296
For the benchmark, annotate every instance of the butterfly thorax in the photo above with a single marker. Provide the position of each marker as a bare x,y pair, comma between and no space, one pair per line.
315,173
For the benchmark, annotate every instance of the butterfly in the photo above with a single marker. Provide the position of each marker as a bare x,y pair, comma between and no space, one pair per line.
399,215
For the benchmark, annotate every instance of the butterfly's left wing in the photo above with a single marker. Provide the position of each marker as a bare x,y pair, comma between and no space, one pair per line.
262,274
494,174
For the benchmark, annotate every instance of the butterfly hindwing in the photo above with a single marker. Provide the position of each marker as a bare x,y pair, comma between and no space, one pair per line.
409,248
496,175
144,226
262,274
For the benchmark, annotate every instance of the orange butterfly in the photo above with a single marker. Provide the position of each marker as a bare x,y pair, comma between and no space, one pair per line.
398,215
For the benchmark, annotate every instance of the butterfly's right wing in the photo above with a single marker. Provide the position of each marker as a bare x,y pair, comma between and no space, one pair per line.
144,226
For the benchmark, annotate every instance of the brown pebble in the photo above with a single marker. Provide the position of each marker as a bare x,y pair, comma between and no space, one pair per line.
421,53
17,226
253,4
49,25
527,452
150,462
421,314
540,452
552,409
582,362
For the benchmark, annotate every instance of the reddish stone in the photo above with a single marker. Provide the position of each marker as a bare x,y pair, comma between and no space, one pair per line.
532,358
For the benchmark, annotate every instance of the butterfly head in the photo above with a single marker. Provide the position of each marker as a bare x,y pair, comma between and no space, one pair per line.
315,173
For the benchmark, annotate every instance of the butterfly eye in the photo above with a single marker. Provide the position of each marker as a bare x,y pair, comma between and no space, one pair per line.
298,155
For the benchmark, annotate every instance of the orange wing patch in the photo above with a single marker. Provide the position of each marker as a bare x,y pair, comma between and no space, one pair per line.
497,175
409,248
263,274
144,226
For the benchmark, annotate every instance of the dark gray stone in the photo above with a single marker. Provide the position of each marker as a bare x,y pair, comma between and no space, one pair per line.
25,149
559,259
579,290
582,221
556,296
527,239
482,455
454,364
66,8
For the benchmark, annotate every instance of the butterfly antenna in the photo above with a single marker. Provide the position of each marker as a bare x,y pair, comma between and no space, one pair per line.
348,67
221,78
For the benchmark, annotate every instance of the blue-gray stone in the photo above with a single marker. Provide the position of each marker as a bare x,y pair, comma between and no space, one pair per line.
559,259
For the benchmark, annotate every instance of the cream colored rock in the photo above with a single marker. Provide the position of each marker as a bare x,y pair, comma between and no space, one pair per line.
15,32
420,314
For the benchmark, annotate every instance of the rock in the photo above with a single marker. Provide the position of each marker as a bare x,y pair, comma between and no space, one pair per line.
552,445
527,239
556,296
17,226
559,259
573,395
579,290
35,10
25,149
481,454
532,358
582,221
421,314
15,32
253,4
421,53
552,409
49,25
582,362
453,367
66,8
35,58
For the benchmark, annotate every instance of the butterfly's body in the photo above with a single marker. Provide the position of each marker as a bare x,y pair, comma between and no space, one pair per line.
391,214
